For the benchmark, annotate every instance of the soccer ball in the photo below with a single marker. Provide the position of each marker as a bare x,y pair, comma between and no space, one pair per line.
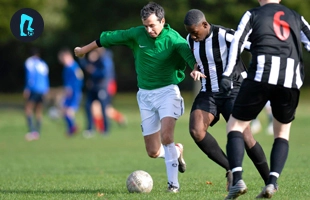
30,33
139,181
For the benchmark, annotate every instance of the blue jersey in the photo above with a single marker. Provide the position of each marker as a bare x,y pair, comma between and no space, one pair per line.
73,77
36,75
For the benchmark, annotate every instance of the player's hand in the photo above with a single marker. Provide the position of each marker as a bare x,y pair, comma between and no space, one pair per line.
78,52
225,85
196,74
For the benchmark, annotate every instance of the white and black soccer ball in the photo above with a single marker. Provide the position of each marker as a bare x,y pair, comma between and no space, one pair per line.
30,33
140,182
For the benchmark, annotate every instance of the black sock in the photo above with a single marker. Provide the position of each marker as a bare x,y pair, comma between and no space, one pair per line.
257,155
278,158
235,153
211,148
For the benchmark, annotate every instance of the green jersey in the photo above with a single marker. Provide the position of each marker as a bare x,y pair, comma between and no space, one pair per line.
159,61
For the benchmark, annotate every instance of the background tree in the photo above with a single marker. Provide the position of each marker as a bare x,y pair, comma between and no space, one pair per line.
77,22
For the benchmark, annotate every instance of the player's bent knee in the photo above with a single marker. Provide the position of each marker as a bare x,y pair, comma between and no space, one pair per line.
197,135
153,154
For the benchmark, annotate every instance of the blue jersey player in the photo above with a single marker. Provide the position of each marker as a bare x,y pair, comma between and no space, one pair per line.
37,85
73,82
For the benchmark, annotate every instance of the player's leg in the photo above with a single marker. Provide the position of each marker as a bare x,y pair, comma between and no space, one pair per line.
103,99
97,116
199,123
284,102
270,118
69,108
150,126
38,113
89,122
69,116
171,152
256,154
235,153
250,101
170,106
29,107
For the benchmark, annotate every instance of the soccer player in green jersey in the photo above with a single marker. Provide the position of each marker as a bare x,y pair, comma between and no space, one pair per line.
160,54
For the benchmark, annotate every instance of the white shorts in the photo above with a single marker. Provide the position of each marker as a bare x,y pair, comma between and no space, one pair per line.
157,104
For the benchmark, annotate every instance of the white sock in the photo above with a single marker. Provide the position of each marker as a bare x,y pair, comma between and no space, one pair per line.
161,152
171,160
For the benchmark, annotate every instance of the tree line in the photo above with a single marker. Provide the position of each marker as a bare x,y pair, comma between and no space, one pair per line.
70,23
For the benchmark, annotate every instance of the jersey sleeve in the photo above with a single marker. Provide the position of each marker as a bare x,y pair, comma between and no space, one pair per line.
184,50
238,43
30,74
305,34
118,37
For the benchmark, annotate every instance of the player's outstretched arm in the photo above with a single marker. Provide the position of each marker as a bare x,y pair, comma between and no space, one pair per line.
81,51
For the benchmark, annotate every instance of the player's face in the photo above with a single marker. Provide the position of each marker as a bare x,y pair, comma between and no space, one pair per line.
198,32
153,26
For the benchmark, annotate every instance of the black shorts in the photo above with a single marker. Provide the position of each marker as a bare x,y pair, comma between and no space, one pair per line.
209,102
36,97
254,95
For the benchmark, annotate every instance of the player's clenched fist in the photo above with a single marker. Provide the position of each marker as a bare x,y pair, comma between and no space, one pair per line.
78,52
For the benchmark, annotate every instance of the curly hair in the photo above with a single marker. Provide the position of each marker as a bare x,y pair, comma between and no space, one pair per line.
152,8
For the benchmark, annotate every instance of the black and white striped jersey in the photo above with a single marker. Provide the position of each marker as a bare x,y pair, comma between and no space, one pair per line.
211,55
276,33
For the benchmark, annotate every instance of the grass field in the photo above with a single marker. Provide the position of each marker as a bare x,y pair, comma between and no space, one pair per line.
61,168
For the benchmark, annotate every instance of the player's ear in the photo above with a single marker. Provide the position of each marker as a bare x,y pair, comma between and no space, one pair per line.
163,20
205,24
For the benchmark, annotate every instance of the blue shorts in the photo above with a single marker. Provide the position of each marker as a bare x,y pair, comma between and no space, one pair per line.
73,101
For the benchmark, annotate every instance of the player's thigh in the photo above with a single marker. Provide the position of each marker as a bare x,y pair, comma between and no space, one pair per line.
284,102
204,111
281,130
200,120
150,122
169,102
251,99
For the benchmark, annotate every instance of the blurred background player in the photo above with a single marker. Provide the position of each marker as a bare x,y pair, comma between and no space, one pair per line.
96,86
73,83
256,125
36,87
106,57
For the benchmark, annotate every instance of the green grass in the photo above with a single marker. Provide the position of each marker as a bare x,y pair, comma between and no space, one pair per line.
57,167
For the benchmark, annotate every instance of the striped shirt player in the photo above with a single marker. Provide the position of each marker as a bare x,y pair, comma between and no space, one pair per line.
210,46
211,55
276,73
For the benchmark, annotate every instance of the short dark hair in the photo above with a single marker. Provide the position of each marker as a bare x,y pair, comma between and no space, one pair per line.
152,8
193,17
